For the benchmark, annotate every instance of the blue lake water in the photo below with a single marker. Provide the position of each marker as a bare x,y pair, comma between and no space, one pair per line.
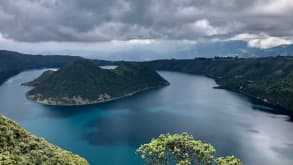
109,133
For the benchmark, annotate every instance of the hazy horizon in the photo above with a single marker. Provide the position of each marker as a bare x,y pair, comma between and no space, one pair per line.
141,30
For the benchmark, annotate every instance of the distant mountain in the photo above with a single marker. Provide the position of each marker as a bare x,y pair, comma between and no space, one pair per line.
237,48
283,50
17,146
190,51
82,82
12,63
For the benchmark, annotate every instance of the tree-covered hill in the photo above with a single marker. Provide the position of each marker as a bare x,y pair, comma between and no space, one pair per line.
12,63
81,82
268,79
18,147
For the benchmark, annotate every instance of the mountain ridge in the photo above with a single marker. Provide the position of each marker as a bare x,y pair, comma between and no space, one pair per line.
12,63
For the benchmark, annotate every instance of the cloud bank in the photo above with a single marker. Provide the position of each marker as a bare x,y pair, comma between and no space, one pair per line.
96,22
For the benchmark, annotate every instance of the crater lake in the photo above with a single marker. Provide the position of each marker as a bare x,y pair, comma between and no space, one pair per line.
109,133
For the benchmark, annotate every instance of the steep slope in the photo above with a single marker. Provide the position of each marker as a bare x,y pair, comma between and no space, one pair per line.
82,82
40,79
17,146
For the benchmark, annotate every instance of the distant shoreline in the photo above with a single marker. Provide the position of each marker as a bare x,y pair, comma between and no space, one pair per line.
260,101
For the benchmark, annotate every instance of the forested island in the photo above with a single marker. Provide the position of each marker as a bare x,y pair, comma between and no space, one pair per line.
81,82
17,146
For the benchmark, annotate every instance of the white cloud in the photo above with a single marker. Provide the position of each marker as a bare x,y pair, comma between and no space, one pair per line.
203,26
1,38
262,40
4,40
141,41
268,42
114,49
244,36
278,7
187,12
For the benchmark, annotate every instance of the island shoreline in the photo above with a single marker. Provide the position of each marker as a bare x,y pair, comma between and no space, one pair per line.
97,102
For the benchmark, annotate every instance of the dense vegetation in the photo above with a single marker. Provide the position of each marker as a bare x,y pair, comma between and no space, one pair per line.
12,63
181,149
40,79
82,82
268,79
17,146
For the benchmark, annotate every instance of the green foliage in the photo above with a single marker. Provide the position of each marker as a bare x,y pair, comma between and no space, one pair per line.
228,160
17,146
181,149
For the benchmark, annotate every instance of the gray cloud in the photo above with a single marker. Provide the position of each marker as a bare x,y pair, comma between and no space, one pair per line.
100,20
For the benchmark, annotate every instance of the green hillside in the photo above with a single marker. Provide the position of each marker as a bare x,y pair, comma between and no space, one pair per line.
17,146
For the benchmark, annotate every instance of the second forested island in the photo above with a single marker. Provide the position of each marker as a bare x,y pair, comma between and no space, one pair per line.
81,83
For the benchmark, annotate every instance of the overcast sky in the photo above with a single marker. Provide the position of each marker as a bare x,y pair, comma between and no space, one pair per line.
68,26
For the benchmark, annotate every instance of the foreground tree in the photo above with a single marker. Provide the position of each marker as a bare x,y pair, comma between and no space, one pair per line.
228,160
181,149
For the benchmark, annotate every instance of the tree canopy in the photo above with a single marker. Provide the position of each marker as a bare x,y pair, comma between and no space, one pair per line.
181,149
